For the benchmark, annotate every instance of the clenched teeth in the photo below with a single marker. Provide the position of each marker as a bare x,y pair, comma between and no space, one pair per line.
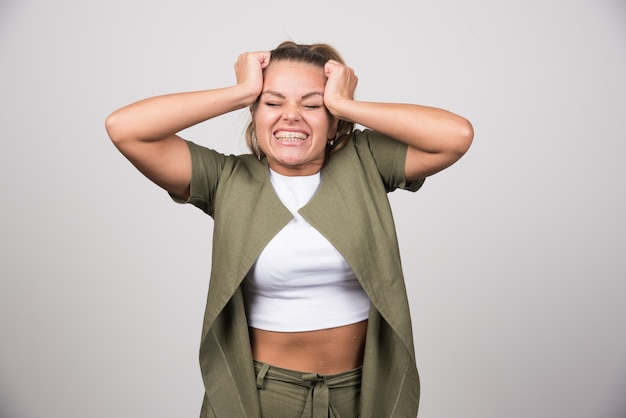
290,136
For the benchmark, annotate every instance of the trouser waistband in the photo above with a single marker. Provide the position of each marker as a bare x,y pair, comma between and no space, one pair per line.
318,400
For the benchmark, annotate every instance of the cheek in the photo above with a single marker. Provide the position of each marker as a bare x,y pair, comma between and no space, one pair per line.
263,119
259,125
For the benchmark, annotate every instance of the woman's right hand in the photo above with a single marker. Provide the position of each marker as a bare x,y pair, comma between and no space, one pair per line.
249,71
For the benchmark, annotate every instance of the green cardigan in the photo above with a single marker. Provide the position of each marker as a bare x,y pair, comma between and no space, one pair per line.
352,211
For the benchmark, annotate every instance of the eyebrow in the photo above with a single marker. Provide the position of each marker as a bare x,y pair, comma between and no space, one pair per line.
282,96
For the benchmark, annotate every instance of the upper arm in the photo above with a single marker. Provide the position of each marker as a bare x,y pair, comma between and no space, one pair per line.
166,162
441,153
420,164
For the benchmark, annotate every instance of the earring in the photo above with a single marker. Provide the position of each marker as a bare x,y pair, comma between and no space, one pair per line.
255,145
332,141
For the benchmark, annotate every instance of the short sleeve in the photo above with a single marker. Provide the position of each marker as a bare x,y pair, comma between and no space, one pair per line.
389,156
207,167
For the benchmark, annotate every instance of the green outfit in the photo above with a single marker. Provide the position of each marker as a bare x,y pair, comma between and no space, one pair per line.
352,211
290,394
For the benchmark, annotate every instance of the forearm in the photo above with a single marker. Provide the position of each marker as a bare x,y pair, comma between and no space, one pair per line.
426,129
160,117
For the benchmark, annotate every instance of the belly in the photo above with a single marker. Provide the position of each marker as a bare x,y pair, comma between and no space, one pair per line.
326,351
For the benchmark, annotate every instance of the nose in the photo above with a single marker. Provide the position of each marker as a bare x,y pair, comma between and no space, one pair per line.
292,113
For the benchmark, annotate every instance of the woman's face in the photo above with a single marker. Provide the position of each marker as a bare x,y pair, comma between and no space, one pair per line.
291,122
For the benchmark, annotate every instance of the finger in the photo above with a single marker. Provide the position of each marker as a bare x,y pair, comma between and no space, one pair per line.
329,67
264,58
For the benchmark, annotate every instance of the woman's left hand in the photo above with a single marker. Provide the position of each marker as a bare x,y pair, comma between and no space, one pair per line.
340,86
436,138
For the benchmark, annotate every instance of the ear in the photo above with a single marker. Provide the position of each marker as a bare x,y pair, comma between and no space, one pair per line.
332,127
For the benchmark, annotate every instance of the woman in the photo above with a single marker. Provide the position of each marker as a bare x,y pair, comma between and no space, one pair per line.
307,312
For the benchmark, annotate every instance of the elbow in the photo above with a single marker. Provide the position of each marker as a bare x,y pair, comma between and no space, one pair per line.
115,128
464,135
111,127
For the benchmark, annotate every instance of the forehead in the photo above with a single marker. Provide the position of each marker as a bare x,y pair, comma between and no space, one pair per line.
289,75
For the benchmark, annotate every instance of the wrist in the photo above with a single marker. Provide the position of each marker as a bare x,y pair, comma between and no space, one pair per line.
244,94
340,108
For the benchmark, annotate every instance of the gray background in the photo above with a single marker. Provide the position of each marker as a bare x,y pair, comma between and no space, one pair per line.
514,257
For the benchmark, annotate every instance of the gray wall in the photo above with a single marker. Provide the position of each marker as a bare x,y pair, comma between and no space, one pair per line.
514,257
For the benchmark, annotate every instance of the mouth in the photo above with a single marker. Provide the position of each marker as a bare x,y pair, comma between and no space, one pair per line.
290,136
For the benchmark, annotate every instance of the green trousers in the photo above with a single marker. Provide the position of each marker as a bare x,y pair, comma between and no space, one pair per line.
291,394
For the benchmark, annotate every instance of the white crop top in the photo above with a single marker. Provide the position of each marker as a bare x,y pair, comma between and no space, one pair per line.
300,282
